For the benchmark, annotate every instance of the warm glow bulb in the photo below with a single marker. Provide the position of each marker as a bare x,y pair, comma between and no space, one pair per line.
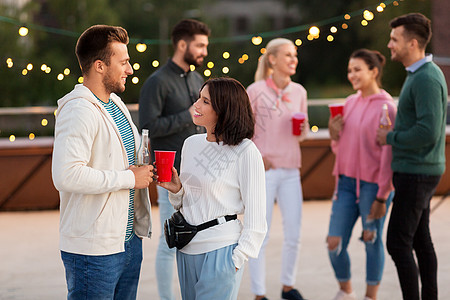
344,26
135,80
256,40
23,31
66,71
241,60
333,29
48,70
314,31
245,57
31,136
380,8
263,50
226,55
80,79
30,67
314,128
141,47
192,68
43,67
225,70
24,72
12,138
364,23
383,5
9,60
310,37
347,17
210,65
330,38
60,76
44,122
395,3
368,15
207,73
298,42
136,66
155,63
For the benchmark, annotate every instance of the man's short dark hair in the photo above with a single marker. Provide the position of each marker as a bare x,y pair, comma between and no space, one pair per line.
94,44
235,120
416,25
186,29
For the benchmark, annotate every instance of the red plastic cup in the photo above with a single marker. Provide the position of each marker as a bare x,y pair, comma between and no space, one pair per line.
297,121
164,163
336,109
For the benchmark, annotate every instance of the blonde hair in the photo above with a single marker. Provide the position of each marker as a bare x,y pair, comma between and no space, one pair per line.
264,68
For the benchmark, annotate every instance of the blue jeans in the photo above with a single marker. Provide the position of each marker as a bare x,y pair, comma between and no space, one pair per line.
409,230
114,276
165,257
345,211
210,275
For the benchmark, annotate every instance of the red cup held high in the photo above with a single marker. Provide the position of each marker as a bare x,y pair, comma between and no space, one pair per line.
336,109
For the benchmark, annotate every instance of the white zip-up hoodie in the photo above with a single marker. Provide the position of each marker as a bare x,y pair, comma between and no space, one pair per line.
90,171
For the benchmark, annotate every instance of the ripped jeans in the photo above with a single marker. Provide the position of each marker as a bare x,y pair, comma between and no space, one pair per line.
344,213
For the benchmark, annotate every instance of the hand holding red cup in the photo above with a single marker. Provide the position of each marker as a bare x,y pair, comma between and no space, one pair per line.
336,109
297,121
164,162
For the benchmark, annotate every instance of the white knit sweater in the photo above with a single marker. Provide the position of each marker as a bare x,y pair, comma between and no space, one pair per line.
221,180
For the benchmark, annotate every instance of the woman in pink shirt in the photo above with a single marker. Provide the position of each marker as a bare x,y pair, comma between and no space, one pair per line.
363,169
274,98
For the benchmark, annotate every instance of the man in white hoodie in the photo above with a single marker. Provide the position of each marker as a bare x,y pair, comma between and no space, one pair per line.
104,202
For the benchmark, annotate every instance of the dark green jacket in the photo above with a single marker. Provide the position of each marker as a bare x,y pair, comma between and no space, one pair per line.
163,108
418,139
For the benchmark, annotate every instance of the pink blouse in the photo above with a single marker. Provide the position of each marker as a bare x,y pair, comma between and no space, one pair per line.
273,114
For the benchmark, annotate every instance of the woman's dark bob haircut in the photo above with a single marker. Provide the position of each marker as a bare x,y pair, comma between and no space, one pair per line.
230,101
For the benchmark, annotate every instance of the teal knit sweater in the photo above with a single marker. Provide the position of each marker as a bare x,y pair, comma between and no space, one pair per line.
418,139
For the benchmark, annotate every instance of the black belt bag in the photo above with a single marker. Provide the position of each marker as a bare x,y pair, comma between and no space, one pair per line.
179,233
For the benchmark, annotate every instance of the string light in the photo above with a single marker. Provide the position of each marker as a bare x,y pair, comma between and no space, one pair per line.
9,62
48,70
314,128
368,15
364,23
192,68
30,67
141,47
12,138
226,55
23,31
314,31
225,70
135,80
210,65
80,79
344,26
347,17
43,67
66,71
380,8
136,66
244,57
44,122
298,42
207,73
155,63
60,76
333,29
24,72
263,50
241,60
330,38
31,136
256,40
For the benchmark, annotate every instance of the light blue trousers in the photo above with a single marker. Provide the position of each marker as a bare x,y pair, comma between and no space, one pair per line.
210,275
165,257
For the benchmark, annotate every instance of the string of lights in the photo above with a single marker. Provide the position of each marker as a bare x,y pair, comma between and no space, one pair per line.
313,31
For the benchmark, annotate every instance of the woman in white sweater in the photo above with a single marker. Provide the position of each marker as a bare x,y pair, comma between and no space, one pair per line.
221,173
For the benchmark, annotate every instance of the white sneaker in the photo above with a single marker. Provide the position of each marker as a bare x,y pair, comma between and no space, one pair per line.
341,295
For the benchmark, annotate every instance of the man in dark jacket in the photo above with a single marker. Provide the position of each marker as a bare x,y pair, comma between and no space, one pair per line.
166,110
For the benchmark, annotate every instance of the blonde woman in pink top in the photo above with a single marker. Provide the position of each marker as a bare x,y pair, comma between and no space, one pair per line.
274,98
363,169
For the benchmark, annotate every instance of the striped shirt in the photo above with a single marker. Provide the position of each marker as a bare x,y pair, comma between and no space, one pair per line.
126,133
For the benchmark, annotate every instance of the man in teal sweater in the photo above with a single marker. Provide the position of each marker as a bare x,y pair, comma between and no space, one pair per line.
418,150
